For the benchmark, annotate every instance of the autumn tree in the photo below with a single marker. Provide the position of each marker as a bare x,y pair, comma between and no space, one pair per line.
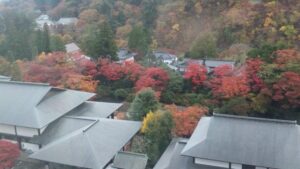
10,69
9,153
154,77
287,90
144,102
157,130
228,83
196,74
60,70
186,119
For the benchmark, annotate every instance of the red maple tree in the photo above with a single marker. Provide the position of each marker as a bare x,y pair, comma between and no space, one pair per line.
153,77
196,74
9,152
287,90
253,66
227,83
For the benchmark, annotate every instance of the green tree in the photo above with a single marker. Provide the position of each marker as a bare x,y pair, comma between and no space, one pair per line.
45,39
18,39
56,43
157,129
98,41
174,87
266,51
144,102
139,40
149,13
205,46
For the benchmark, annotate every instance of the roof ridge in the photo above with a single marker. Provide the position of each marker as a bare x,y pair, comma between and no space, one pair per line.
255,118
90,126
132,153
26,83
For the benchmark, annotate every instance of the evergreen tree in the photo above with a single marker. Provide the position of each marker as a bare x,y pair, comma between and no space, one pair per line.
18,39
150,13
144,102
99,42
45,39
56,43
139,40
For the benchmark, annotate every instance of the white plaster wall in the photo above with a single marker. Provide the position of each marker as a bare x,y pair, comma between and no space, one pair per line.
26,132
29,146
211,163
7,129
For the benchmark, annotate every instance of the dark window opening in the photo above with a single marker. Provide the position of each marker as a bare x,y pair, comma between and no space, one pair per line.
248,167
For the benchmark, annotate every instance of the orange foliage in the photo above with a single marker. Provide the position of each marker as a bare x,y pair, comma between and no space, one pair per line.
186,119
228,83
60,70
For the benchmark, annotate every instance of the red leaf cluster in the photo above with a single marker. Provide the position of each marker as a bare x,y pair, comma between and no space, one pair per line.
253,66
286,56
196,73
153,77
288,89
186,119
9,152
228,83
110,70
113,71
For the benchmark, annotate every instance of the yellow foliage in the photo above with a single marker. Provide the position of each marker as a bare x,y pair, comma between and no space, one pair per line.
41,57
268,22
176,27
149,117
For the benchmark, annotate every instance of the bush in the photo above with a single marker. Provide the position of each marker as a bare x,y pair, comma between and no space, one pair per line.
121,94
144,102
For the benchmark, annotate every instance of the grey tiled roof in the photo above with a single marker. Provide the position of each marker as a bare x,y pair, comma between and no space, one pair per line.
172,158
245,140
128,160
5,78
60,128
91,147
36,105
71,47
95,109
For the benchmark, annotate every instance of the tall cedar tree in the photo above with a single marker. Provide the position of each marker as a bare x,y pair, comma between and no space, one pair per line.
139,40
99,42
18,38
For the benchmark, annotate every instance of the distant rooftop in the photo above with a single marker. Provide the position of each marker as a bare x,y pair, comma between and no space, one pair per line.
67,21
72,47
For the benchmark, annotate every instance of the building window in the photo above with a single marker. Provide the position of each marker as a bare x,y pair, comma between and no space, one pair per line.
248,167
